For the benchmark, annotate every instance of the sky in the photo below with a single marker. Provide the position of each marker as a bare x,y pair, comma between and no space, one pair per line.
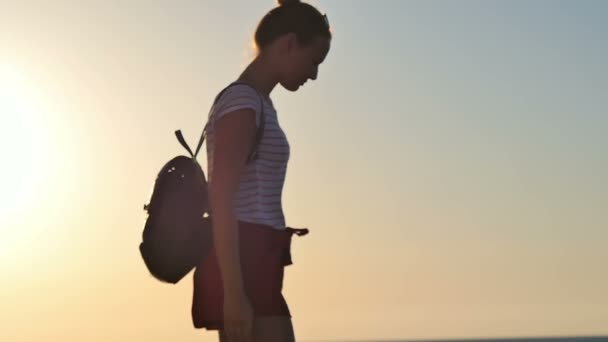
450,162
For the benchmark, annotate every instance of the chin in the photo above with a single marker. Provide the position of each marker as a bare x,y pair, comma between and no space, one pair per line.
291,87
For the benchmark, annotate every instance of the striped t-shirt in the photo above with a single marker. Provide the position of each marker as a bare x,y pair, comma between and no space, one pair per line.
258,199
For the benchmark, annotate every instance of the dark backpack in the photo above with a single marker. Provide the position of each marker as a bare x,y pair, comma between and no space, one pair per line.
177,231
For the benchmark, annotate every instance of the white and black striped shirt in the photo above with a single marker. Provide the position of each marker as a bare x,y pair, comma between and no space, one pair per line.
258,199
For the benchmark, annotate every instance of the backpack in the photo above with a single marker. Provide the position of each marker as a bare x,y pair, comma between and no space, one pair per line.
177,232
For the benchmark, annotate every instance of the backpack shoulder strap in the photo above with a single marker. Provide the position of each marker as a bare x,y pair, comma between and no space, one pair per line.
182,141
260,132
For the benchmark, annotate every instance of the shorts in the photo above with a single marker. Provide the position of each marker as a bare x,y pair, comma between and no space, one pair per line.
264,252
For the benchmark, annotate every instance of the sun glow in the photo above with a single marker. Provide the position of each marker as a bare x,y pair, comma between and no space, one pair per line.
23,146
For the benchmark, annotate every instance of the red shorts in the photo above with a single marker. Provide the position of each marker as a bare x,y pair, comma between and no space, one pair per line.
264,252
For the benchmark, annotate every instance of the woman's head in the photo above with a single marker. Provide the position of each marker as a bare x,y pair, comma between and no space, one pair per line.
298,36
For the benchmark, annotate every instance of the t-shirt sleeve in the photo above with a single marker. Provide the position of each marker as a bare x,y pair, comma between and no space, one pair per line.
238,97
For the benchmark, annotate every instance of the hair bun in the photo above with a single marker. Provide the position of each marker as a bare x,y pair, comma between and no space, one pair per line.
287,2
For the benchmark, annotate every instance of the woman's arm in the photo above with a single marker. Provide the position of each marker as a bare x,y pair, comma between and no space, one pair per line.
234,135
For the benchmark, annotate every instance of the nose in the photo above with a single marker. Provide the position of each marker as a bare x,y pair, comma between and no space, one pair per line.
314,74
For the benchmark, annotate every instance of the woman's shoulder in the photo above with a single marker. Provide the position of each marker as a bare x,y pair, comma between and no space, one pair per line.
237,97
238,90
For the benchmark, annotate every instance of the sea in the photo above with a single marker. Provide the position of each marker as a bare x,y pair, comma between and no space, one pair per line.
515,339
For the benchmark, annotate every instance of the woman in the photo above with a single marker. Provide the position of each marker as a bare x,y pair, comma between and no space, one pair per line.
237,286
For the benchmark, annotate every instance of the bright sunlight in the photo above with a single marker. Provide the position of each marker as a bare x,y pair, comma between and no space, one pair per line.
24,145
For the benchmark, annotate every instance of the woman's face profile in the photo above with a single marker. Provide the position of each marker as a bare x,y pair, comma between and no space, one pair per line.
303,62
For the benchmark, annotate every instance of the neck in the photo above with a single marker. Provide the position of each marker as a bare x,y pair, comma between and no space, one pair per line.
259,75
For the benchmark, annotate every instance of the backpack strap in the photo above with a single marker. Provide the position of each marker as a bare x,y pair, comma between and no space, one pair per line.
182,141
260,132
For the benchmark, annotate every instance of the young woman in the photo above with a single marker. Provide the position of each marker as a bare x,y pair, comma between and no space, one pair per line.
237,286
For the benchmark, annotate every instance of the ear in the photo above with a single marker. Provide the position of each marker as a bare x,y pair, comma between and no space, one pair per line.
286,43
291,41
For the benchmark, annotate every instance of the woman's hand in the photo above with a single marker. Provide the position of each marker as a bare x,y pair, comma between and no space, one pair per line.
238,317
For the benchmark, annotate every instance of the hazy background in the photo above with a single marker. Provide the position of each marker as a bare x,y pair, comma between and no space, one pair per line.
450,161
